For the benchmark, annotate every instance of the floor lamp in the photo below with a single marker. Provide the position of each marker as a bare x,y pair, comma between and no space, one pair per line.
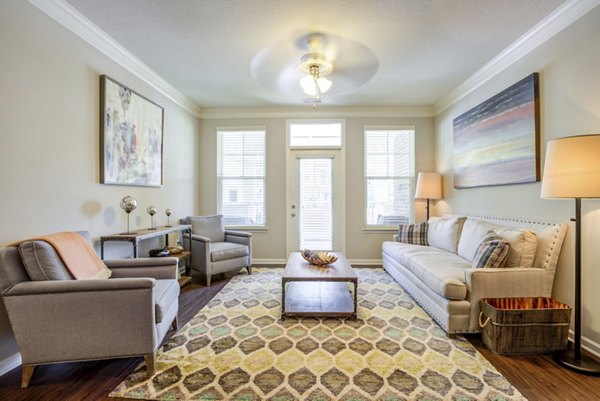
429,186
572,170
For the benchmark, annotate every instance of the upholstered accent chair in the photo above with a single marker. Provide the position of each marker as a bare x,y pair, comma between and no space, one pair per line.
56,318
216,250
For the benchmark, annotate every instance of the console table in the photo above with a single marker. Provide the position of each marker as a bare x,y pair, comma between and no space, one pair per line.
140,235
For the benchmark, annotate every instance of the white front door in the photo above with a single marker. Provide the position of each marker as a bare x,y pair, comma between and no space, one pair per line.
315,200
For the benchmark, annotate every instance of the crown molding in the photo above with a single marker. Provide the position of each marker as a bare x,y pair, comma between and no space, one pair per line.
309,112
558,20
63,13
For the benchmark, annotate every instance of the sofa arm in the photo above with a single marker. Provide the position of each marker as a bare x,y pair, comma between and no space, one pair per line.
500,283
56,321
196,237
157,268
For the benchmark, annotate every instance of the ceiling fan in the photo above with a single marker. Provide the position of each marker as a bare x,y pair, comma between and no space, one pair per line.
308,65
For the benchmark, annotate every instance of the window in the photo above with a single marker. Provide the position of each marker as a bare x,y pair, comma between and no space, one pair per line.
320,134
389,176
241,176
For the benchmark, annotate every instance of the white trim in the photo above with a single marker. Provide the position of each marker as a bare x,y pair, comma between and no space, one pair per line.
8,364
261,262
558,20
587,344
365,262
66,15
292,112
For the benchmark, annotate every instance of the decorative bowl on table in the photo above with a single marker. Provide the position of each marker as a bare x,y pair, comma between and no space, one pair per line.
317,258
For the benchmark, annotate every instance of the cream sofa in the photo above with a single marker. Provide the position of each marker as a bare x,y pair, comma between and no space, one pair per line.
440,277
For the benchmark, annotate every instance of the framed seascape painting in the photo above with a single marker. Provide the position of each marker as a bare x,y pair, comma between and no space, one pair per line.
498,141
131,137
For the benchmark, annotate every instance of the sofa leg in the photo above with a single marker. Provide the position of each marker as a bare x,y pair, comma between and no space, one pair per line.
452,336
175,324
249,268
150,360
208,280
27,374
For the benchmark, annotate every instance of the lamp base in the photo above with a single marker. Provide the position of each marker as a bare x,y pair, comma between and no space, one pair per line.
585,365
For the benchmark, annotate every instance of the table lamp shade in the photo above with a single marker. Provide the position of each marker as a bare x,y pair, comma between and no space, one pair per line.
429,186
572,168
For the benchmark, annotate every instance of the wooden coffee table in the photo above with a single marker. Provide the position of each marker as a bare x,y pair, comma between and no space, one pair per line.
308,290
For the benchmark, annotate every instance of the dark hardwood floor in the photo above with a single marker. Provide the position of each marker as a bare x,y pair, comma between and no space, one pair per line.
538,378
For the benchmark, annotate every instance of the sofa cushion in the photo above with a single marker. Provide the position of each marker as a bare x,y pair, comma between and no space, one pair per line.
440,270
473,232
492,252
166,293
415,234
220,251
443,233
41,261
523,244
210,227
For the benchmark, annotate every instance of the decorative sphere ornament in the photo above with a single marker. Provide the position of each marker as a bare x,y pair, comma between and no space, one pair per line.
168,212
128,204
151,210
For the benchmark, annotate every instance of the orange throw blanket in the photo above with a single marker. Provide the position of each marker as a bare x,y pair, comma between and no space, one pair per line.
77,255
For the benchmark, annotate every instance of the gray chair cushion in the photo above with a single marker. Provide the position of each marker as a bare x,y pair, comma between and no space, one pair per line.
42,262
166,293
208,226
220,251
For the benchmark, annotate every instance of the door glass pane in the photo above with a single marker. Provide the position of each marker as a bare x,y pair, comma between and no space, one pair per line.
315,203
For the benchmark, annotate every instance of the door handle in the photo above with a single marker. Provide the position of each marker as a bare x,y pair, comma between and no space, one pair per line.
293,214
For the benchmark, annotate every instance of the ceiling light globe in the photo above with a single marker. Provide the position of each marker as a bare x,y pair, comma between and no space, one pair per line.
324,84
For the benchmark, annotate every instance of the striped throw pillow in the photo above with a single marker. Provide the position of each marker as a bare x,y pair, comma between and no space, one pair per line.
492,252
415,234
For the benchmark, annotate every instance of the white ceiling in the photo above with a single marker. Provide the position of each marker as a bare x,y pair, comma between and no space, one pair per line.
233,53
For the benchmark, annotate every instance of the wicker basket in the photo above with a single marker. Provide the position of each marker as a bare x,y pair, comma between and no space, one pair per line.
524,326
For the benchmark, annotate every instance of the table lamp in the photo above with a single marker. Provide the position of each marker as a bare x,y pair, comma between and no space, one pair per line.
429,186
572,170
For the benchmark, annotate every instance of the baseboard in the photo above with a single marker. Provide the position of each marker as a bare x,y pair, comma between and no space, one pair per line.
10,363
268,262
282,262
589,345
365,262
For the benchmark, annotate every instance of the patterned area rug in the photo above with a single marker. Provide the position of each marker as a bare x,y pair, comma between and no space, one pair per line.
236,348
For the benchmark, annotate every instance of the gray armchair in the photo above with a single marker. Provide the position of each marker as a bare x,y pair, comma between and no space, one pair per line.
216,250
60,319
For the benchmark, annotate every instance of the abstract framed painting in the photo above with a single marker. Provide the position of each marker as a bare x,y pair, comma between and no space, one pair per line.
498,141
131,137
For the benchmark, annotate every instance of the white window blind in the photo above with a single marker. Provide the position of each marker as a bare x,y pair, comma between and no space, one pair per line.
389,176
241,177
315,203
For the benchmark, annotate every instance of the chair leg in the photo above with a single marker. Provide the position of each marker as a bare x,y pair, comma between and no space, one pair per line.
249,268
150,360
27,374
175,324
208,280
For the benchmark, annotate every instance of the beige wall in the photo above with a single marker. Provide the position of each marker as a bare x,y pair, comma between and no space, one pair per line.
270,244
49,140
570,105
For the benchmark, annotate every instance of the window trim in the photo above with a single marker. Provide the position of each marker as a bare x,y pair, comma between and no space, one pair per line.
255,227
376,228
315,121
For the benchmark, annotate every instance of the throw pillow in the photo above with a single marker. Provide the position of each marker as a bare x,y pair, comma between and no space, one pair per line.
415,234
42,262
210,227
492,252
523,244
444,232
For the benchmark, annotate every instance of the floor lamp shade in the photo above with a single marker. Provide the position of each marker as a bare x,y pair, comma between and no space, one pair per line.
572,170
429,186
